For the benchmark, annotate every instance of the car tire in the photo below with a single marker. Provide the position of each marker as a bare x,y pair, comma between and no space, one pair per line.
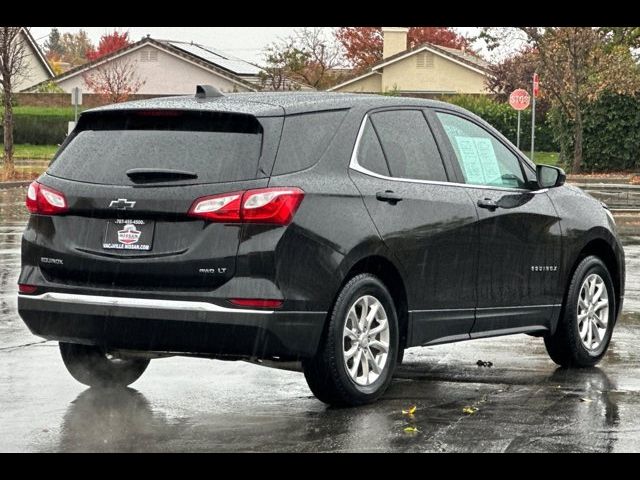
92,366
343,372
581,338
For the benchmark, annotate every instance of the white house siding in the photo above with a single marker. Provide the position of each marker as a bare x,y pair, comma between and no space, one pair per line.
164,74
34,73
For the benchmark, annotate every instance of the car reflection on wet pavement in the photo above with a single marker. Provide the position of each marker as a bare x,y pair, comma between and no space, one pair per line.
524,402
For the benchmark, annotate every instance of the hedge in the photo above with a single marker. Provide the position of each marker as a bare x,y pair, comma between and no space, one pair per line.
611,135
505,120
40,126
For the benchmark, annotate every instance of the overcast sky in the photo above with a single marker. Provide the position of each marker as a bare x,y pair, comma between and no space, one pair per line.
247,43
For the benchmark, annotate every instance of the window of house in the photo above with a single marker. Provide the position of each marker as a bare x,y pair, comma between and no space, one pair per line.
149,55
424,60
484,160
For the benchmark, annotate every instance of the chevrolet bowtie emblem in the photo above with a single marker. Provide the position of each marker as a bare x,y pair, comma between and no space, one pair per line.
122,204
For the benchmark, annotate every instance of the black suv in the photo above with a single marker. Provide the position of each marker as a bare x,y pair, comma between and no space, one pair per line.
334,229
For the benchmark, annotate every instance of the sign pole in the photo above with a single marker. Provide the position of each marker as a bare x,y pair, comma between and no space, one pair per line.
519,100
533,115
518,137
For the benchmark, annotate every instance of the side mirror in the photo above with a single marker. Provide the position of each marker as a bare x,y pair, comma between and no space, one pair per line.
549,177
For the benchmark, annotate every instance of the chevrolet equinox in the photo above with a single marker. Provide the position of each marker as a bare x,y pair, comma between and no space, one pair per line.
336,230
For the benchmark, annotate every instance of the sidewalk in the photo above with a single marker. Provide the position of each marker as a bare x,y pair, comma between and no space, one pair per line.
16,184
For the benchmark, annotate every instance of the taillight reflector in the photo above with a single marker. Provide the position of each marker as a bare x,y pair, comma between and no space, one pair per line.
26,289
256,302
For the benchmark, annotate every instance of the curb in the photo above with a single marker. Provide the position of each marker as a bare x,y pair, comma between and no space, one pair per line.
22,183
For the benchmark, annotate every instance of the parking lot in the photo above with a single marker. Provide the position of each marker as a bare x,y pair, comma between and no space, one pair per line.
523,402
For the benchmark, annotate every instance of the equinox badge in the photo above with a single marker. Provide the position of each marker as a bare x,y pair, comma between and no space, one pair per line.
122,204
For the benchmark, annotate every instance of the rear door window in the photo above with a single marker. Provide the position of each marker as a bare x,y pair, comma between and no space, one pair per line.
216,147
408,145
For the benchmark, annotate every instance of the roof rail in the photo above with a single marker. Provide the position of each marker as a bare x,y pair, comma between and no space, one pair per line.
208,91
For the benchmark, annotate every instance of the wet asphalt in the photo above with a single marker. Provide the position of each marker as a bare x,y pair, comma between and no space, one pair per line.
524,402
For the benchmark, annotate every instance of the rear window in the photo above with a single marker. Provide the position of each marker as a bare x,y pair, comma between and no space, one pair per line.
305,138
216,147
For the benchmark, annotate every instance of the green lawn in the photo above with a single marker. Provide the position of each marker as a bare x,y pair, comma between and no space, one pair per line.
33,151
45,111
544,158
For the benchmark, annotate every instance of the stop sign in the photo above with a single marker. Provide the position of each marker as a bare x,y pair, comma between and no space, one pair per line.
519,99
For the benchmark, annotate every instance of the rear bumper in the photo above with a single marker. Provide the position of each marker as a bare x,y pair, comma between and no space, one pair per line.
171,326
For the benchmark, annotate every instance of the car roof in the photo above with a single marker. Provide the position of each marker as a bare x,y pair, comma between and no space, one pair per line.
271,103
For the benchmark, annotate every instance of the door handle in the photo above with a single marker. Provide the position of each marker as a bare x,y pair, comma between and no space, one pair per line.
488,204
388,196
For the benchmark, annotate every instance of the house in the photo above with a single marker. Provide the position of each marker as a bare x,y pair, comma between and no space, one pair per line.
168,67
37,68
426,69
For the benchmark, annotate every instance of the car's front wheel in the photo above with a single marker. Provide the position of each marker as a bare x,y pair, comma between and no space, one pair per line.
585,327
95,367
356,360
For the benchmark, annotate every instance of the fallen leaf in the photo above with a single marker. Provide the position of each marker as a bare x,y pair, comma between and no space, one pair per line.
411,429
469,410
410,411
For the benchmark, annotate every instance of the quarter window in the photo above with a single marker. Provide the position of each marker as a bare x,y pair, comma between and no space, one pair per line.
408,145
370,154
483,159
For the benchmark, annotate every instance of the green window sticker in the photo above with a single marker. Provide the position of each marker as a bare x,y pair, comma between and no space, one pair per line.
478,160
473,172
488,160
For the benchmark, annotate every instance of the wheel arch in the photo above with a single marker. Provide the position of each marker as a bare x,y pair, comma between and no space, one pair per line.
601,248
390,274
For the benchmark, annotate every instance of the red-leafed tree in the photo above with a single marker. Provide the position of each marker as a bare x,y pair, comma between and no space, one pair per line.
363,45
109,42
114,80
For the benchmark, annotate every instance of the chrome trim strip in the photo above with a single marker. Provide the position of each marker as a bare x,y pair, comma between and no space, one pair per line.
519,306
444,310
354,165
140,303
482,308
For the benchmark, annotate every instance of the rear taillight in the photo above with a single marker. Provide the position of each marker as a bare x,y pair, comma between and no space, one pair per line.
45,200
264,205
218,208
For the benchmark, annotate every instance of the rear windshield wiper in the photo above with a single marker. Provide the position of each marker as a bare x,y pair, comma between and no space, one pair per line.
149,175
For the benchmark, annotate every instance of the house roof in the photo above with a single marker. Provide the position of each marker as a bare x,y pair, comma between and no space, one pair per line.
459,56
167,47
38,53
223,60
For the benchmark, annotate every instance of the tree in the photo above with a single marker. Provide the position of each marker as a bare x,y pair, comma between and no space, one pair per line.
363,45
308,56
53,47
109,42
513,72
75,47
576,65
13,67
115,80
280,63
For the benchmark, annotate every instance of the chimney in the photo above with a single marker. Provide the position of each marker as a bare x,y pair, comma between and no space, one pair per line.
394,40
